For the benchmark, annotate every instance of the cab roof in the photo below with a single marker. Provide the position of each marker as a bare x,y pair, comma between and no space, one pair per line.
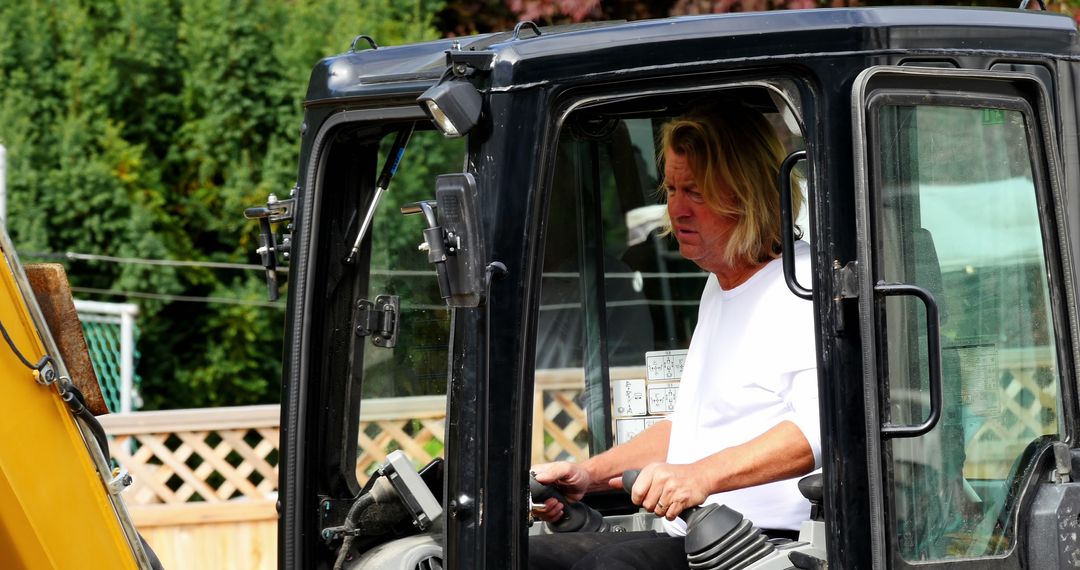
569,54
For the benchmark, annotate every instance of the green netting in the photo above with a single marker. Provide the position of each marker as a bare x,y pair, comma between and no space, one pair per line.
103,340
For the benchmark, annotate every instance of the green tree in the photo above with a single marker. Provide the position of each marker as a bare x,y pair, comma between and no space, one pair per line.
143,128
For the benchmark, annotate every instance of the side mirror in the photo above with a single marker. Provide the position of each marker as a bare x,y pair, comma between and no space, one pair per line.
453,239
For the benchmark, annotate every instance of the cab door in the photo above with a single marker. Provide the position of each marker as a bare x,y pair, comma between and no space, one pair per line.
963,300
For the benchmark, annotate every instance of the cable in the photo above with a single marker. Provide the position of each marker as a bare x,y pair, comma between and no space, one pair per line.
45,376
71,255
77,404
362,503
184,298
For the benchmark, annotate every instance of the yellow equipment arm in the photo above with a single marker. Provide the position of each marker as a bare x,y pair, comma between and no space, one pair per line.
56,507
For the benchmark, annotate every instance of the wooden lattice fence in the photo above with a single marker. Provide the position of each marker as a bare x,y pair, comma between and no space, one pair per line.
210,476
415,425
212,457
220,456
559,407
1019,413
200,458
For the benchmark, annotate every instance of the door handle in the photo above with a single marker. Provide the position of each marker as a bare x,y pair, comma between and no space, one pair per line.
933,350
787,235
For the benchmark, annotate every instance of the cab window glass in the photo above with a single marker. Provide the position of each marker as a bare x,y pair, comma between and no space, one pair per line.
404,388
618,304
958,215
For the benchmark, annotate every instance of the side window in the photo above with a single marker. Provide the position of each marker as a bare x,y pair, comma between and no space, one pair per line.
404,387
618,303
603,255
957,213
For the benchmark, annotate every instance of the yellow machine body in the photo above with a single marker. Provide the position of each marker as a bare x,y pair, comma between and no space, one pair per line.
55,507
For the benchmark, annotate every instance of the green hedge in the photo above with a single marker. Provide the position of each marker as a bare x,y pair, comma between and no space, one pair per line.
142,129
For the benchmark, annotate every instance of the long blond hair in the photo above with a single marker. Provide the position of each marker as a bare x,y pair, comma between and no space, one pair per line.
738,146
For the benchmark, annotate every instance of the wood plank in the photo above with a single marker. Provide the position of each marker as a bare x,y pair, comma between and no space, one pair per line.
167,421
574,378
201,513
538,454
53,292
412,407
247,545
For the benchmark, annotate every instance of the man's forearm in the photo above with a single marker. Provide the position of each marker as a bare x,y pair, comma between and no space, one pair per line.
649,446
780,453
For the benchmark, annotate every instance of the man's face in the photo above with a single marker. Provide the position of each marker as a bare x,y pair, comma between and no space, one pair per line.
702,233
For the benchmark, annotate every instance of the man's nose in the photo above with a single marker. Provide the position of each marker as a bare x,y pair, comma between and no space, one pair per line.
676,205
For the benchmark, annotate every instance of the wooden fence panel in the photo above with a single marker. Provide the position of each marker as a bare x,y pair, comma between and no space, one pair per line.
205,481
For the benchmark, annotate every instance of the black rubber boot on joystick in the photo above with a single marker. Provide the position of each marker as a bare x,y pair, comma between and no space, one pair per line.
717,537
577,517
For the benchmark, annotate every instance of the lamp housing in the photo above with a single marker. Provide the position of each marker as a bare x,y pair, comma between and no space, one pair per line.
453,105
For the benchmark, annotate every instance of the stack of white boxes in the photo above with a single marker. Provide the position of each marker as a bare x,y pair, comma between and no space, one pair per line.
640,403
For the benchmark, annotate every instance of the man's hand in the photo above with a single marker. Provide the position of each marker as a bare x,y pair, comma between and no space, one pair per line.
570,478
667,489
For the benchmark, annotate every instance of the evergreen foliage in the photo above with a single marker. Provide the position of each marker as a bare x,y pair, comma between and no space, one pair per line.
143,128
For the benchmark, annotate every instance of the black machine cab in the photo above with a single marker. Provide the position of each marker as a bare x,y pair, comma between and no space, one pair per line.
938,152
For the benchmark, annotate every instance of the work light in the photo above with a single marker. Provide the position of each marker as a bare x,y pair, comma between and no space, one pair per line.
453,105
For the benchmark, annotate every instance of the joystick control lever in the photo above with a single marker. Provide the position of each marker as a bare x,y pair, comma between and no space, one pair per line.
716,535
577,517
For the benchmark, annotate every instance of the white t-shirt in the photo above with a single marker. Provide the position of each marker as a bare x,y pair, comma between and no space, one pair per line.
751,365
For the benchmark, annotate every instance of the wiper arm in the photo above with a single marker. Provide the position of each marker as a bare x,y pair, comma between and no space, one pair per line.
397,150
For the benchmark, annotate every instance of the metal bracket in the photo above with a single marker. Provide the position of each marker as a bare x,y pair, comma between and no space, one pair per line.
121,480
332,533
846,281
275,211
845,286
379,320
464,63
1062,463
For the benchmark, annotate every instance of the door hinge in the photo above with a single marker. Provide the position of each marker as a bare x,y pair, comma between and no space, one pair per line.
379,320
845,286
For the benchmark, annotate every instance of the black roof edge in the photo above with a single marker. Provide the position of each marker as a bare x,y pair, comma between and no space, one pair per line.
560,50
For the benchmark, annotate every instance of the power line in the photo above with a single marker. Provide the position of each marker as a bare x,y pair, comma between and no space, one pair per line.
185,298
74,256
